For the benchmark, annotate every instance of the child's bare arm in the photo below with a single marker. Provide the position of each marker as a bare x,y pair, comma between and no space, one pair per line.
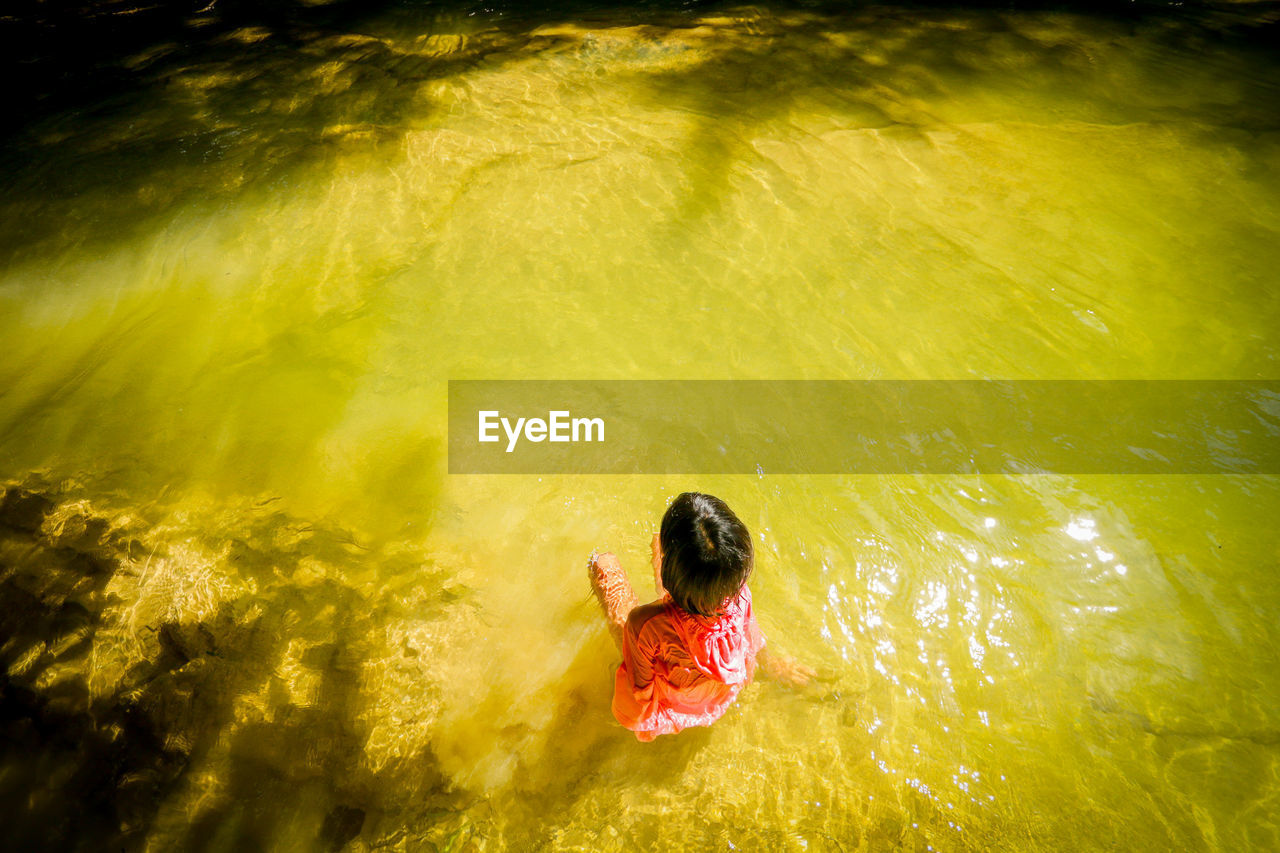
613,591
655,550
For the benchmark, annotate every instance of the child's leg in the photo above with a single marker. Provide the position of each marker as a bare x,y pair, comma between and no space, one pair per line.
613,591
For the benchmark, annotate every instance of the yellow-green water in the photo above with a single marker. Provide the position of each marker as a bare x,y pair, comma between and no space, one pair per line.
230,303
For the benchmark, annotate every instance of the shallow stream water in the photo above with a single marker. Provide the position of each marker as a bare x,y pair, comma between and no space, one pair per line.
247,606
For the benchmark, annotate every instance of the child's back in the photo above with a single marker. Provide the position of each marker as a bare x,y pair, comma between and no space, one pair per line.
680,670
686,656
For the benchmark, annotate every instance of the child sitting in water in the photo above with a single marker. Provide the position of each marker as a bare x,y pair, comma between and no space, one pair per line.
686,656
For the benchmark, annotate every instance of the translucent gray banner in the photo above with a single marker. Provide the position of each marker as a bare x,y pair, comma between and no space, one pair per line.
864,427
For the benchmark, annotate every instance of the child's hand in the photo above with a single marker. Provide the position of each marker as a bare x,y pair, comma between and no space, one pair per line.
655,551
602,561
787,671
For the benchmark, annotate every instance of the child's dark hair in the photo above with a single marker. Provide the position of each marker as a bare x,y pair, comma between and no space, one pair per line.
706,553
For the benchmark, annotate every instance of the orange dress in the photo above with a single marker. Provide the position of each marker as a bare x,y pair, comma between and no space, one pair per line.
680,670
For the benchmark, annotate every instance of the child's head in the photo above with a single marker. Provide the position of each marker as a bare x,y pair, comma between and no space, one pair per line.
706,553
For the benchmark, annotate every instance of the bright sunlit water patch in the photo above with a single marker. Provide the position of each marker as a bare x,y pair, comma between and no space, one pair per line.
238,573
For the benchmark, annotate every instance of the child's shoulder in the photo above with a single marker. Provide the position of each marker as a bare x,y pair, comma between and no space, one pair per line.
642,615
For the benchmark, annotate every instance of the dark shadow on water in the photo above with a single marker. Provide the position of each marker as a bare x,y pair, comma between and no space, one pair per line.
58,746
206,697
118,114
154,106
197,123
881,68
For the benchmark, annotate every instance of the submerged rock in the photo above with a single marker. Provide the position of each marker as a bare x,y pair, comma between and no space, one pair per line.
226,682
